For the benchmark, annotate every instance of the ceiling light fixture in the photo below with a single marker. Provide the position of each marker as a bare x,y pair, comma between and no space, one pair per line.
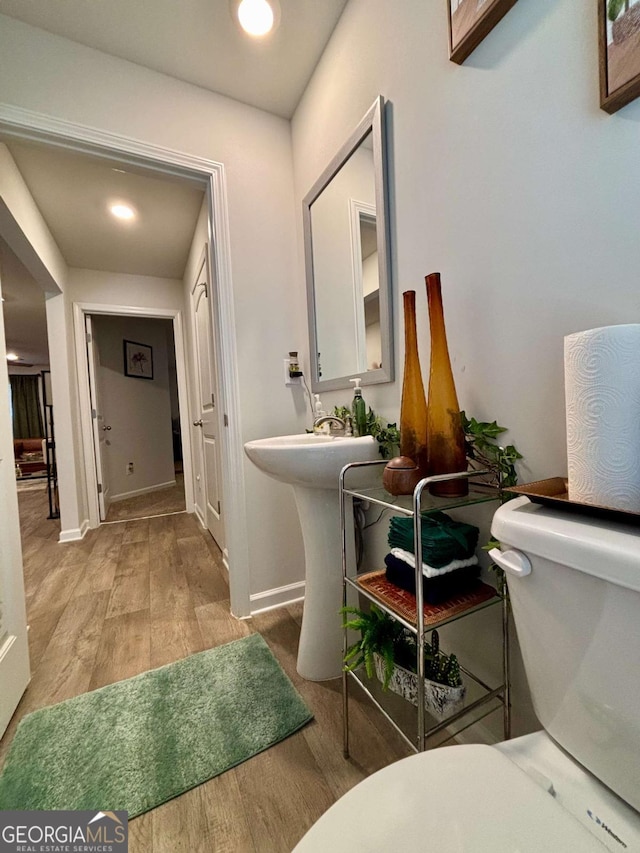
257,17
11,356
122,211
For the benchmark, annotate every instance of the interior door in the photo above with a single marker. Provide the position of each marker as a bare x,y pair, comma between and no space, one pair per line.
14,650
101,428
205,420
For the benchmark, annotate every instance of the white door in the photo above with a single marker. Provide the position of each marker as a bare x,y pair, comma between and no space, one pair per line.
14,650
101,428
205,421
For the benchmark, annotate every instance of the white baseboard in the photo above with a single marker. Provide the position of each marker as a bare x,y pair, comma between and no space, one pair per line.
278,597
124,495
74,534
198,515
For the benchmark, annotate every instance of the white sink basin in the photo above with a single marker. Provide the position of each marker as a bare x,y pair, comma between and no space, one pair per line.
312,464
314,461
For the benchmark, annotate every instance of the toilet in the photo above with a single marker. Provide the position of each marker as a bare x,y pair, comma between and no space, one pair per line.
574,583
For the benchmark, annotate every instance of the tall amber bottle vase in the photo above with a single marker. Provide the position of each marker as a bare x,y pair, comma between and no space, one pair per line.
445,436
413,409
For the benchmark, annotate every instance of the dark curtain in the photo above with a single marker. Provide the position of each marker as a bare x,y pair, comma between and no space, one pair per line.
25,401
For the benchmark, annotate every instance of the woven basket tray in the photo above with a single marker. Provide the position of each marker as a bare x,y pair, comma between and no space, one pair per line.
404,603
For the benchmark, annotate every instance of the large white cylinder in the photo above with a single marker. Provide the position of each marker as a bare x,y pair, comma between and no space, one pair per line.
602,388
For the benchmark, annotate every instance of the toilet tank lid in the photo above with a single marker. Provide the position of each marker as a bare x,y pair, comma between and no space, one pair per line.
605,549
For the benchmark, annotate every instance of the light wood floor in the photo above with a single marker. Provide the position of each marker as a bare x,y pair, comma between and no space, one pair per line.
161,502
141,594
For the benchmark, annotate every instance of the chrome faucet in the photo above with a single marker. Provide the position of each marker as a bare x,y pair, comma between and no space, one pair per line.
337,426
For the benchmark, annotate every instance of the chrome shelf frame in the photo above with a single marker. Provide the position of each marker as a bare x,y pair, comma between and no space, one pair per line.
482,493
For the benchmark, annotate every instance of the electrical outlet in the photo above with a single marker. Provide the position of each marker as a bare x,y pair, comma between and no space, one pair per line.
130,468
288,379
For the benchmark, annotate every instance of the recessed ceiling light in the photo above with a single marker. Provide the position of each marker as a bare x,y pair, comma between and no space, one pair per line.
11,356
122,211
256,17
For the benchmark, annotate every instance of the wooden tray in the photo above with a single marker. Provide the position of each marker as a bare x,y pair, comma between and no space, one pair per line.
554,492
404,603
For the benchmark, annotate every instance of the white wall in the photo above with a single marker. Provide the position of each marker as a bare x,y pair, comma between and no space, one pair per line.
22,226
507,178
137,410
137,291
48,74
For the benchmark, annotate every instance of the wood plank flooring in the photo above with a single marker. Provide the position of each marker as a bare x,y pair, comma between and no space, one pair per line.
141,594
170,499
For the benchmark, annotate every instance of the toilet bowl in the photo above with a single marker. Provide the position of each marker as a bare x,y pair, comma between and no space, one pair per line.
479,799
574,584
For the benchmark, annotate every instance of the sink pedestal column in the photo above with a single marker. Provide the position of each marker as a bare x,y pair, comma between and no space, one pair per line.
320,649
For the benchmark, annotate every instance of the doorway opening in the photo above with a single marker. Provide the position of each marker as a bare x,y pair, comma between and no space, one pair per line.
135,407
135,154
30,400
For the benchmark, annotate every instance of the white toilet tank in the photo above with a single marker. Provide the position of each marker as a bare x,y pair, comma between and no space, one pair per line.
577,615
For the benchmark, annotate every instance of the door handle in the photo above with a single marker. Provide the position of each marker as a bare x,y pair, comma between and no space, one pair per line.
198,423
105,428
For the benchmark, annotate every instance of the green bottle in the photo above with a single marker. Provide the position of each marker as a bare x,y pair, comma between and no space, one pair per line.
359,410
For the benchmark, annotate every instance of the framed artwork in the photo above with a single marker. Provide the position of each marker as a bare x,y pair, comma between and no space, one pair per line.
619,24
138,360
470,21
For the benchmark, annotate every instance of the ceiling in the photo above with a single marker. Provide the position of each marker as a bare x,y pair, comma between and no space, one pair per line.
73,192
192,40
198,41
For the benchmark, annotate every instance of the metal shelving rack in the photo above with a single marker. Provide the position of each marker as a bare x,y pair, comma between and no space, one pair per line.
488,699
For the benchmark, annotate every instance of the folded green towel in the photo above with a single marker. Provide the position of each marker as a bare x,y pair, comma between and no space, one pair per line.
443,539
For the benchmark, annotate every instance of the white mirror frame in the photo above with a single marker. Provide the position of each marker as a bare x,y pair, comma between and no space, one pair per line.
372,122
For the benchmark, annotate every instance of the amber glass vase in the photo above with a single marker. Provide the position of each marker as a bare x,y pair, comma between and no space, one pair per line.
413,409
445,436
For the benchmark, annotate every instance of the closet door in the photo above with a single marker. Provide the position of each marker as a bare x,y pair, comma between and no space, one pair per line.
206,421
14,650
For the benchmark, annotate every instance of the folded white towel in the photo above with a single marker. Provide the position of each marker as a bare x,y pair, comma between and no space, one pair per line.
429,571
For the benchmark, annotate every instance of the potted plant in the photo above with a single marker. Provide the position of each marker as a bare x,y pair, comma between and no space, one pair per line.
390,651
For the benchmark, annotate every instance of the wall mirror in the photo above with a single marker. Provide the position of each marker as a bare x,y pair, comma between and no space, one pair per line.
347,262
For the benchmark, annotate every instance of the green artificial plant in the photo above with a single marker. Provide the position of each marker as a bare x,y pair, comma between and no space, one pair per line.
483,450
382,635
388,437
379,634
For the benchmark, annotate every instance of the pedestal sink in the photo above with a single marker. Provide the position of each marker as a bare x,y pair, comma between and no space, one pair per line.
312,464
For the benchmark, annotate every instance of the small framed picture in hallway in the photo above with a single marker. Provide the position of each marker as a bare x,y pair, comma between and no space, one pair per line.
138,360
619,23
470,21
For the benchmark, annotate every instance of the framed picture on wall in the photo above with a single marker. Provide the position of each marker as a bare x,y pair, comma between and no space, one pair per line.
138,360
470,21
619,22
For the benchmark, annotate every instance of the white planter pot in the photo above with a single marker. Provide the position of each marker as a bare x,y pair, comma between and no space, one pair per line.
440,700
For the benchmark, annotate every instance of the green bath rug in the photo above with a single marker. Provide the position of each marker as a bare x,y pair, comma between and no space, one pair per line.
138,743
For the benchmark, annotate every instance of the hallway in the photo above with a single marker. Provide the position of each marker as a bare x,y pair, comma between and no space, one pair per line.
141,594
161,502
